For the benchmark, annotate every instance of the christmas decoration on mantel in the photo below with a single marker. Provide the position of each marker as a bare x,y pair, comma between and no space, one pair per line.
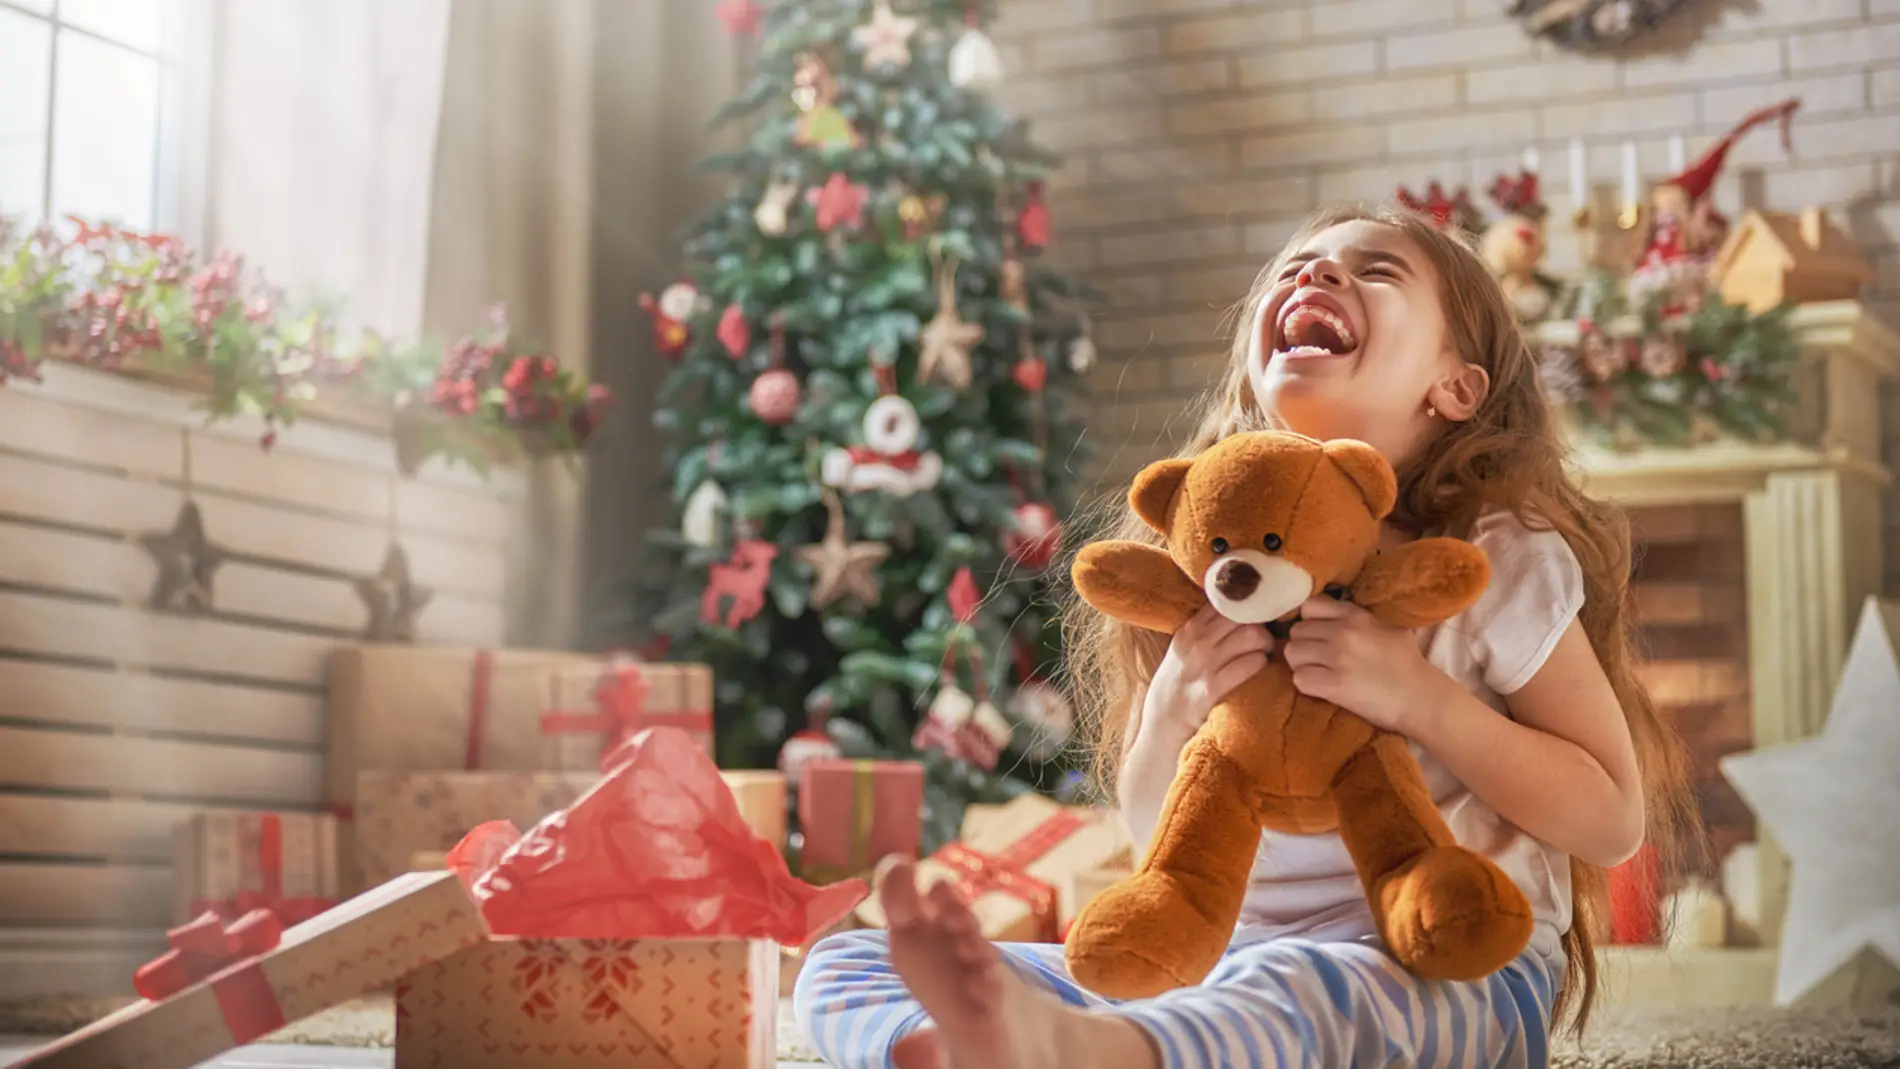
1592,25
394,599
144,303
898,224
185,557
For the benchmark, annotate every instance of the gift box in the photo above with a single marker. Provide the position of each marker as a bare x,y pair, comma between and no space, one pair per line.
852,813
402,814
231,863
1019,870
760,795
641,929
596,709
221,987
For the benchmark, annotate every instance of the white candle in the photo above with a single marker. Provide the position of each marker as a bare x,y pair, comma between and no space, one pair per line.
1579,195
1631,179
1678,159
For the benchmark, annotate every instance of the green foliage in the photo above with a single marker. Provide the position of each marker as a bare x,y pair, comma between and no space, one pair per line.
849,300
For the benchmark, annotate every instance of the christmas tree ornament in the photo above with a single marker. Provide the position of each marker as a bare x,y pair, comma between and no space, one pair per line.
944,347
1603,357
1030,373
1081,355
1662,355
186,562
677,304
1513,246
812,743
839,202
393,598
1013,283
699,521
740,16
816,93
888,460
885,40
771,215
734,332
776,395
1032,223
1034,536
963,596
975,64
1045,711
735,588
963,727
842,568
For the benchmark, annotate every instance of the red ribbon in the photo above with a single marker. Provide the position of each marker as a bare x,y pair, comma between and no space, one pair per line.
620,698
205,949
290,911
980,873
864,454
484,670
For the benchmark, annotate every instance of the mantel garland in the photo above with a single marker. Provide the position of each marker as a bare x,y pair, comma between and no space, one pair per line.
1636,377
119,300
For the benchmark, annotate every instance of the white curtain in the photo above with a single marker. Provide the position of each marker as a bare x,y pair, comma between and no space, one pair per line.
324,121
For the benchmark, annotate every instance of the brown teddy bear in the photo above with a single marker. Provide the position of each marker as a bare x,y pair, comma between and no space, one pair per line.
1257,524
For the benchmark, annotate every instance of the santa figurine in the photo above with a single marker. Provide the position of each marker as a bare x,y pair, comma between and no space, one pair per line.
1683,230
676,305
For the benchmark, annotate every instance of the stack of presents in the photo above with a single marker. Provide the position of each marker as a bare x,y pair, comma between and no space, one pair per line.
536,857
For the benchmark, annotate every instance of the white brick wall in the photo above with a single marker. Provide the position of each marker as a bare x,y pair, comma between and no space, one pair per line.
1197,132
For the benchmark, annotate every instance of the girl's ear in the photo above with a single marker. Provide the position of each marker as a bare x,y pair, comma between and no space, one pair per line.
1154,490
1458,394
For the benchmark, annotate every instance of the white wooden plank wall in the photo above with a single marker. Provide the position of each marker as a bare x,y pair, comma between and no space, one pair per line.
116,722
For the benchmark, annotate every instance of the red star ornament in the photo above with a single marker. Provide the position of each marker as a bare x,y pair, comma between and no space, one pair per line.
740,16
839,202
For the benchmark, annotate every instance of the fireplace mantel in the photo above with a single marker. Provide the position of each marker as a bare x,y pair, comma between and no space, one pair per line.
1811,524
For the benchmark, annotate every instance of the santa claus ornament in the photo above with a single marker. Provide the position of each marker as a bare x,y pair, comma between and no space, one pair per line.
1683,230
677,305
888,460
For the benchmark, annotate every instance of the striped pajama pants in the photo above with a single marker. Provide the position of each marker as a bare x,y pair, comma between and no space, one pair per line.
1279,1004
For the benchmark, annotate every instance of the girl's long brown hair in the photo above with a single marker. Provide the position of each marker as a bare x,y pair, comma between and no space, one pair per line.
1509,455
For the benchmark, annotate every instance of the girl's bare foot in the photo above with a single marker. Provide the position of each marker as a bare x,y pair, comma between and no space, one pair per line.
985,1016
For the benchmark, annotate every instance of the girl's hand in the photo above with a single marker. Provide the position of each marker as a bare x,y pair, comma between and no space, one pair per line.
1343,654
1209,656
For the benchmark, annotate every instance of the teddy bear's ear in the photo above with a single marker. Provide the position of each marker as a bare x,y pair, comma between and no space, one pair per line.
1368,471
1155,488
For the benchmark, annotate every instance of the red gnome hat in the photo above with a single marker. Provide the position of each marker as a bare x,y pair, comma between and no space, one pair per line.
1696,181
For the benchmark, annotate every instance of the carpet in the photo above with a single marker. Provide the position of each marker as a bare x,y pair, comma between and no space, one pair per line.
1620,1038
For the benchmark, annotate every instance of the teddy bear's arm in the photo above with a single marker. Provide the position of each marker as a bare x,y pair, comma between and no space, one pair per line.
1137,584
1422,583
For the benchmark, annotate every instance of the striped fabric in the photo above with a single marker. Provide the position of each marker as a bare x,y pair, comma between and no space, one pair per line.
1269,1004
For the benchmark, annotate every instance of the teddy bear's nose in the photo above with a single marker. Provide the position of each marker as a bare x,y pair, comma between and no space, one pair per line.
1236,580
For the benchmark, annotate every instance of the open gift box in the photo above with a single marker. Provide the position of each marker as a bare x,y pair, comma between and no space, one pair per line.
640,927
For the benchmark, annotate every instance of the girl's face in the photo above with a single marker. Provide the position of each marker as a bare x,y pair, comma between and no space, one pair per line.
1351,342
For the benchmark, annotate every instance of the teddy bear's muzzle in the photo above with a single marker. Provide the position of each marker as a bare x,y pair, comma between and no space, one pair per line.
1251,587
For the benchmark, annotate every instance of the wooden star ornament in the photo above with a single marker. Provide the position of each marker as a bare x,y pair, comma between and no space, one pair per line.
842,568
394,600
186,561
886,38
946,341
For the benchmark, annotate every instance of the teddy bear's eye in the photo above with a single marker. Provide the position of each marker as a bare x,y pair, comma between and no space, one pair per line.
1273,543
1220,546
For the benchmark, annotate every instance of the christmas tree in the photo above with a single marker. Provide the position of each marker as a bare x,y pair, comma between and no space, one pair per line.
869,441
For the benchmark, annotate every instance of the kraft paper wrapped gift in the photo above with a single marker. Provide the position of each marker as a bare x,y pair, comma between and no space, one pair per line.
638,929
641,929
1019,869
402,814
761,797
224,987
853,813
232,862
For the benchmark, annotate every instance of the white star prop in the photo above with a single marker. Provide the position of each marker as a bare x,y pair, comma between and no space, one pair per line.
1833,803
886,38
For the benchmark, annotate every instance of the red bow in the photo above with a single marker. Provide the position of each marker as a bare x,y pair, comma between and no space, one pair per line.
204,947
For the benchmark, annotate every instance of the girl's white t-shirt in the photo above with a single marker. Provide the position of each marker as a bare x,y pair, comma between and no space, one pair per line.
1305,886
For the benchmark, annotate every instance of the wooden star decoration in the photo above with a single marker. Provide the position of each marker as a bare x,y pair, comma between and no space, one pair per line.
186,560
394,600
886,38
945,345
841,568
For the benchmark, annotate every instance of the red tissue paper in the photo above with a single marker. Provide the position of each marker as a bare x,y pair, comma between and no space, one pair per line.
655,850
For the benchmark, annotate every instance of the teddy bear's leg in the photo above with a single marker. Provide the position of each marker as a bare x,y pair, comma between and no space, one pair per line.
1445,912
1168,924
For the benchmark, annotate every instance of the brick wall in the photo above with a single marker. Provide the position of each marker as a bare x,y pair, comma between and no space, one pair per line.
1197,132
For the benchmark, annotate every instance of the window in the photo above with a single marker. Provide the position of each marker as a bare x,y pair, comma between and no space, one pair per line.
91,102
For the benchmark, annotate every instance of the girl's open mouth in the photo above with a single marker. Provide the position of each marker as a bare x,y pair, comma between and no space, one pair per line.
1310,328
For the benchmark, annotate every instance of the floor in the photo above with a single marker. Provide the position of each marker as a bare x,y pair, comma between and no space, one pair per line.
12,1049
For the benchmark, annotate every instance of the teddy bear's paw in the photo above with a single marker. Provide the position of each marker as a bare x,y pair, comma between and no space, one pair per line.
1142,937
1450,914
